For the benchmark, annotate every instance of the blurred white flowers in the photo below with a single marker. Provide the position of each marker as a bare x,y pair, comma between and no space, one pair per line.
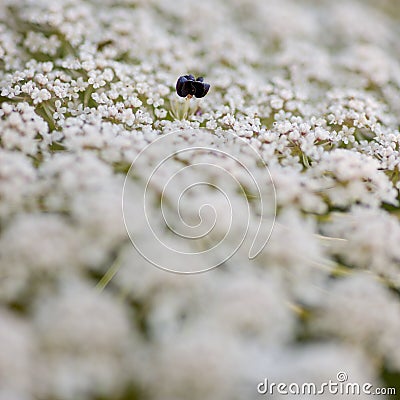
85,86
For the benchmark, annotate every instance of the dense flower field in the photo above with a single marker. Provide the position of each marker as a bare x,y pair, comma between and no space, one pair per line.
296,145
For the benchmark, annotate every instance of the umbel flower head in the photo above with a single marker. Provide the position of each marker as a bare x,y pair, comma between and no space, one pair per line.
188,86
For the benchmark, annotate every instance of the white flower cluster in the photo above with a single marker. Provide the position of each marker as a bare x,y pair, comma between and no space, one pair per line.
86,88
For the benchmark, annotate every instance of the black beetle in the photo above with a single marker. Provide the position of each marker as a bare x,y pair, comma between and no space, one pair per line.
188,86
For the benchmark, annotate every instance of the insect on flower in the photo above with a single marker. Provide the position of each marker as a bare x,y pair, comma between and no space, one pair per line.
188,86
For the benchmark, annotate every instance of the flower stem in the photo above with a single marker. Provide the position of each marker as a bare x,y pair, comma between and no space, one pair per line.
109,275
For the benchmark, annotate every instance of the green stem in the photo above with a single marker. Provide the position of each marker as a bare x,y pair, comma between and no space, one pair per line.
109,275
87,96
47,110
